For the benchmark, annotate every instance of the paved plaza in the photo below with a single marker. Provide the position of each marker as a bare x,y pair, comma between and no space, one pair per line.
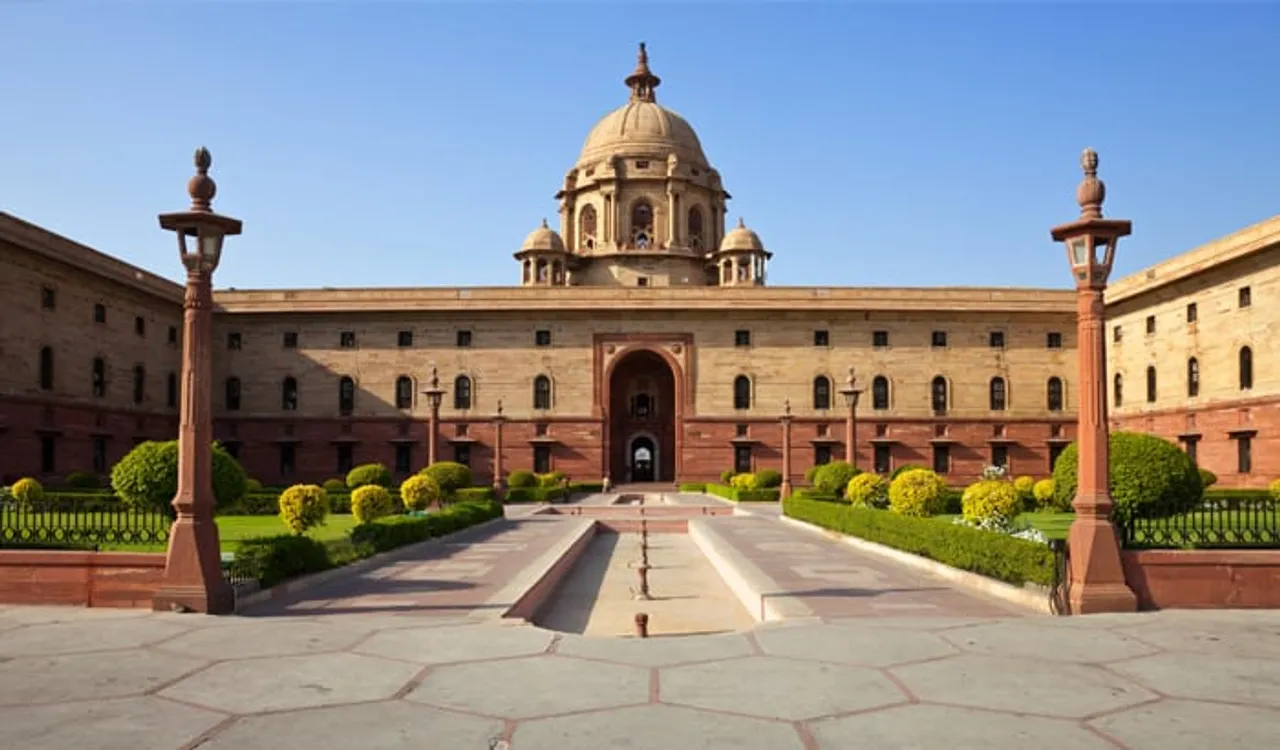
410,654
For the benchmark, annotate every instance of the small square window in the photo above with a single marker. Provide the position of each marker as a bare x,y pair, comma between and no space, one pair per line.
290,340
1192,313
642,165
347,339
1053,340
173,334
879,338
1117,333
1245,296
540,429
99,313
464,339
48,298
140,325
642,281
822,337
995,339
233,342
938,339
542,338
740,430
742,337
404,339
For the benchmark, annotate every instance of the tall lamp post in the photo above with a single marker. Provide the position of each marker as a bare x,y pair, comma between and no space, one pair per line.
193,579
497,453
851,392
785,491
434,394
1097,575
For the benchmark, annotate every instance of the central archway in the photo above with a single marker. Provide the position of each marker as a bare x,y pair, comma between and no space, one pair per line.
642,419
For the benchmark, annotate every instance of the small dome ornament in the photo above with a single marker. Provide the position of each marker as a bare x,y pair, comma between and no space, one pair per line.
1092,191
201,187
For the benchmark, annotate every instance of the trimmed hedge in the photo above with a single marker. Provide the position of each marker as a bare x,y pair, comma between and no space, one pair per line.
693,487
742,496
473,495
1005,558
587,487
147,476
274,559
397,531
1150,477
533,494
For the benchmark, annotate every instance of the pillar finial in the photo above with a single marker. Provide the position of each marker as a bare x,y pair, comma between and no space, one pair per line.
435,376
850,380
642,81
201,187
1092,191
786,406
499,407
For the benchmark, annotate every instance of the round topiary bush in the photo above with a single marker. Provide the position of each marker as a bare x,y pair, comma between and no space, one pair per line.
303,507
918,492
833,477
1274,487
147,477
746,482
449,475
903,469
810,473
252,485
27,491
83,480
768,479
1207,478
550,479
1043,493
868,490
419,492
520,478
1024,486
990,499
1150,476
367,474
334,485
371,502
726,476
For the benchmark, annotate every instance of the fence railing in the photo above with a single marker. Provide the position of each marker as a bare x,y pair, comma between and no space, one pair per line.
1218,523
87,525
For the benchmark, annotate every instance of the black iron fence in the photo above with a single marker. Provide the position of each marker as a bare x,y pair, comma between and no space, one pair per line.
1222,523
90,524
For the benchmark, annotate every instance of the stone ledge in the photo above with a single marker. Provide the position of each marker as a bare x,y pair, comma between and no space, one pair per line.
1031,597
762,597
539,581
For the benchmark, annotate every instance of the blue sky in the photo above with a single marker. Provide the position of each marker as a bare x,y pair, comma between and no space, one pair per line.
416,144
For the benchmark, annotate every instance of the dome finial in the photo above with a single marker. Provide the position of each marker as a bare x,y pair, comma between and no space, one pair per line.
1092,191
544,223
201,187
642,81
741,224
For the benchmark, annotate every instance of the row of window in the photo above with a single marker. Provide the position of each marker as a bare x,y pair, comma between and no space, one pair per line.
98,379
939,393
880,339
1244,369
1244,298
233,393
49,301
404,339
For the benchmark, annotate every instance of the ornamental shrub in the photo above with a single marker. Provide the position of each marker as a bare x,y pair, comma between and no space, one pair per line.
521,478
27,491
744,482
903,469
370,502
83,480
1024,486
367,474
303,506
868,490
990,499
450,476
726,476
420,491
918,492
767,479
1150,476
334,485
1274,487
811,473
834,477
252,485
551,479
1042,491
147,477
1207,478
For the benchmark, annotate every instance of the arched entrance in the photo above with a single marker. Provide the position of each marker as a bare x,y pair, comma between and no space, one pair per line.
642,419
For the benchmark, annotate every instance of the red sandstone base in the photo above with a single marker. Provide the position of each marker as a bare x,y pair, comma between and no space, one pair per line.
86,579
1204,579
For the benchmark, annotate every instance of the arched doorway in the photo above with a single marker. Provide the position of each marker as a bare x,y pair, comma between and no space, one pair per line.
642,419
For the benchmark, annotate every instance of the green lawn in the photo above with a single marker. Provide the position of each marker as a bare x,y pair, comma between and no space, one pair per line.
1052,525
231,529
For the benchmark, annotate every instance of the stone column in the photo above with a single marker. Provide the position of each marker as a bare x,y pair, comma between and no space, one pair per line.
497,453
786,450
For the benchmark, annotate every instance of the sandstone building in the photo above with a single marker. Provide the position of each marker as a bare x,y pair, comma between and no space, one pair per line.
642,342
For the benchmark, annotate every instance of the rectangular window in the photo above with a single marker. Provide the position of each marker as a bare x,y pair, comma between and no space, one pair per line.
1117,334
938,339
1053,340
942,459
140,325
173,334
233,342
995,339
48,298
344,459
1244,454
542,338
99,454
171,390
1000,456
404,458
1245,296
404,339
541,459
1055,450
462,453
288,459
1193,313
1151,324
742,459
48,454
882,462
1189,445
642,281
742,337
290,340
347,339
821,338
99,313
879,339
821,455
740,430
464,339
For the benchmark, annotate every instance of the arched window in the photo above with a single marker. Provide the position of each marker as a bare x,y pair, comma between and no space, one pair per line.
587,227
99,377
1193,377
289,394
46,368
1246,368
1117,390
938,394
232,394
462,392
742,392
404,392
822,392
880,392
1053,390
171,390
139,383
542,392
642,224
1151,384
695,227
346,395
997,394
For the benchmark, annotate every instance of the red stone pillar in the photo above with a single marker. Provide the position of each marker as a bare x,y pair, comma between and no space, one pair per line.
786,451
434,396
497,453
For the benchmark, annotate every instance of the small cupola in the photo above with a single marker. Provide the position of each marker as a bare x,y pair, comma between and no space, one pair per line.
740,261
543,258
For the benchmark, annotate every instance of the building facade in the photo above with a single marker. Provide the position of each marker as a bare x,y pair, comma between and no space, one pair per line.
642,343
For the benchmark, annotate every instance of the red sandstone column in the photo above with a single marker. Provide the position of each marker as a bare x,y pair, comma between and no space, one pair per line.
850,392
497,453
434,395
786,450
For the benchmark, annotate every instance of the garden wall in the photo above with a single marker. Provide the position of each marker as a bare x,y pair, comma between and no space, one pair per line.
86,579
1202,579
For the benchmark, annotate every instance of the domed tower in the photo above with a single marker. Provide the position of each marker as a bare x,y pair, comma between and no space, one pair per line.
642,206
544,261
740,260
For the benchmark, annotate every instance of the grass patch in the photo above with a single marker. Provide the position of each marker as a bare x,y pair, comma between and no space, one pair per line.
234,529
1052,525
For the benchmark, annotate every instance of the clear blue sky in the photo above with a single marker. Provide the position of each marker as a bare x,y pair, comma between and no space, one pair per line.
416,144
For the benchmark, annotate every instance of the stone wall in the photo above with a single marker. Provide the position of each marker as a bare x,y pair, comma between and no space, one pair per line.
87,579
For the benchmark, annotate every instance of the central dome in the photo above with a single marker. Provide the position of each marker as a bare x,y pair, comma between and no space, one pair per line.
642,127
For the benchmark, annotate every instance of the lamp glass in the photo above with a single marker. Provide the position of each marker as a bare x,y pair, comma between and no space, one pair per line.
1102,251
1078,250
210,245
